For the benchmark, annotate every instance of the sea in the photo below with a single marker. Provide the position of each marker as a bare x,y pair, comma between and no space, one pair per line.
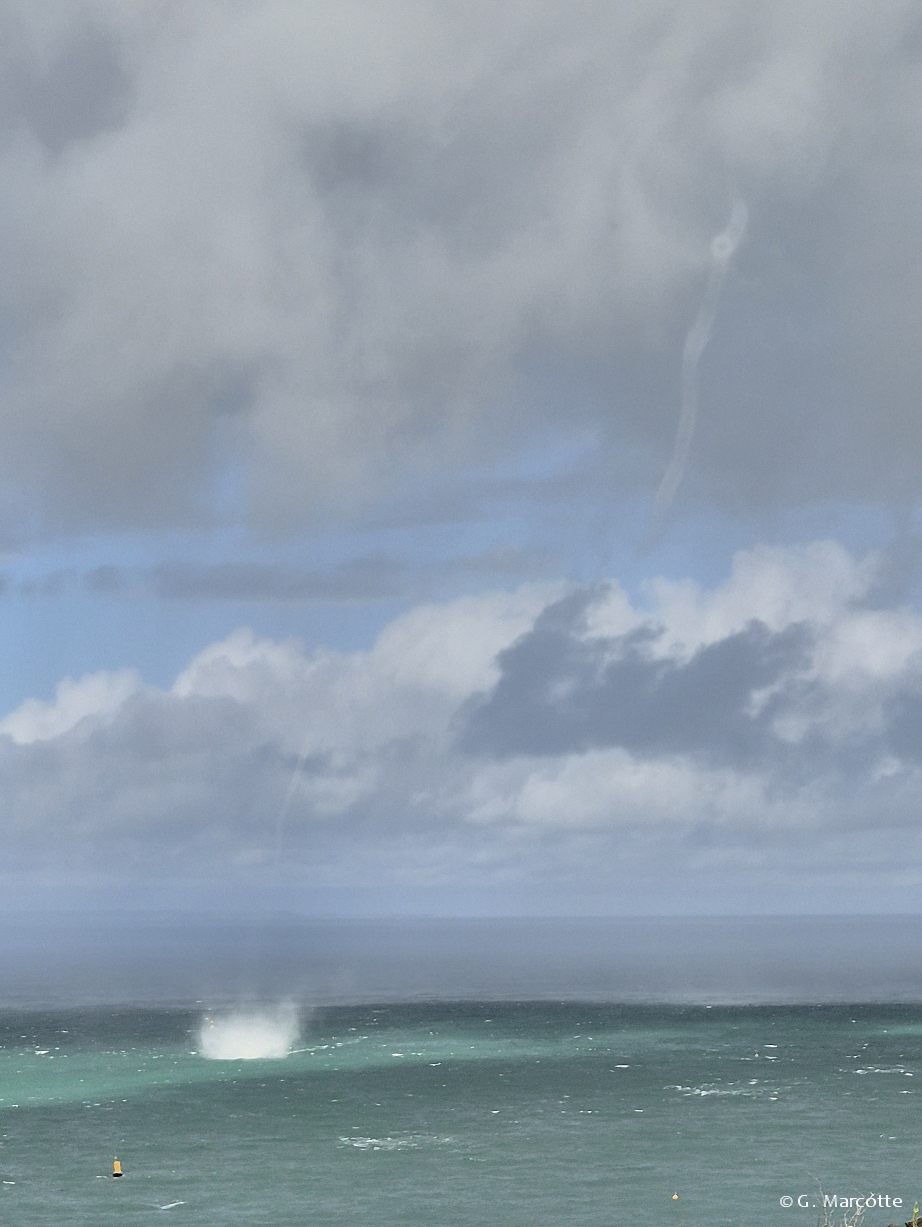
609,1105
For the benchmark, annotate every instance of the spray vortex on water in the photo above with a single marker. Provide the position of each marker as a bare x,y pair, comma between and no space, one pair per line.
250,1035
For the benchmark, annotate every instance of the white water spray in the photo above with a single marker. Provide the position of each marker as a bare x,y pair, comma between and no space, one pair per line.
254,1035
722,248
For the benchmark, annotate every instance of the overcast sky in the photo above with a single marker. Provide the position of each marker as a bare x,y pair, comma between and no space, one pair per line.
462,458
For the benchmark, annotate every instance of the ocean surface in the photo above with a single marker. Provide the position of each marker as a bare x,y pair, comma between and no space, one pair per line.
525,1114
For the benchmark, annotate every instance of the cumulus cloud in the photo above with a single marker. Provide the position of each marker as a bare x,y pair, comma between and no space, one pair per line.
529,736
96,698
326,245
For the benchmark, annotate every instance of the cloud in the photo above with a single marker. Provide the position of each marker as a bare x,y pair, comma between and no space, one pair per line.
46,586
562,693
104,579
368,578
330,247
96,698
66,91
190,781
371,578
541,737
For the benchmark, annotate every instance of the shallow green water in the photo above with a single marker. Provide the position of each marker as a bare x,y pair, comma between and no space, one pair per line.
464,1114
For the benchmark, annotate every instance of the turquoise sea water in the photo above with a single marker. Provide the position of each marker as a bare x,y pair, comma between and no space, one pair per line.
514,1114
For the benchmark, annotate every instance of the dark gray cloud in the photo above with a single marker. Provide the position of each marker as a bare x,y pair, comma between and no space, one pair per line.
50,585
104,579
372,577
362,579
369,577
903,722
561,692
71,92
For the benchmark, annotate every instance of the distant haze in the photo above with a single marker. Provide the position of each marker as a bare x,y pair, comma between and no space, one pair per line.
257,966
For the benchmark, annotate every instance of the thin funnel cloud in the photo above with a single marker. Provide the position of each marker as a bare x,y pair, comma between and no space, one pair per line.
286,803
723,247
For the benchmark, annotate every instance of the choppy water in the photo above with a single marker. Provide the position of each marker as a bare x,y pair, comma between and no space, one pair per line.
515,1114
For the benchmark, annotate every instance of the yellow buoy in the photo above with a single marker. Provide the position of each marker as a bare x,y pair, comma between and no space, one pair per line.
675,1197
116,1168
